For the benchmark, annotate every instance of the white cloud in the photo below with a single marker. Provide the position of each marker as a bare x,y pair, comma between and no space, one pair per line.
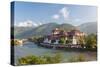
39,23
27,23
64,12
35,24
56,16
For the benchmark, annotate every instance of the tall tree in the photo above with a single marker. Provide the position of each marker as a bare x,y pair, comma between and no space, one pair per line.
91,41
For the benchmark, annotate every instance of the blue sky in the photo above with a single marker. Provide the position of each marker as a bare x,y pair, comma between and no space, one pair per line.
40,13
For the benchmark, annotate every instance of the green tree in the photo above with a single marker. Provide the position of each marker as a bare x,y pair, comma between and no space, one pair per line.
68,41
82,41
36,39
62,40
91,41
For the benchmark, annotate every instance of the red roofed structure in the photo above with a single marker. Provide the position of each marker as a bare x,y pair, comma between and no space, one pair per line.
74,36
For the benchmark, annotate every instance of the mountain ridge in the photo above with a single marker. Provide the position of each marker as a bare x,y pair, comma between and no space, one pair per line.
46,29
89,28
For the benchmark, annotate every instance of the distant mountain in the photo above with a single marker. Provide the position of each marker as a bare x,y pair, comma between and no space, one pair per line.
89,28
44,29
20,30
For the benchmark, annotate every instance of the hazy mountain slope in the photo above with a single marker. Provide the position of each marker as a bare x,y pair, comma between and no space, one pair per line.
44,29
19,30
89,28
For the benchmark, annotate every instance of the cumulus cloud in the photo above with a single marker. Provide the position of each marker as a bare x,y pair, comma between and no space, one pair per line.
56,16
39,22
27,23
64,12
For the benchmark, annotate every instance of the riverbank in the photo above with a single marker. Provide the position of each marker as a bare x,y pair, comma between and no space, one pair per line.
31,48
66,47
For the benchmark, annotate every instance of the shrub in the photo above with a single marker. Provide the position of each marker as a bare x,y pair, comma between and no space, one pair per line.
78,58
40,59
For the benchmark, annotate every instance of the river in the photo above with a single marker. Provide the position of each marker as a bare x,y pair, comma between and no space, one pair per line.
29,48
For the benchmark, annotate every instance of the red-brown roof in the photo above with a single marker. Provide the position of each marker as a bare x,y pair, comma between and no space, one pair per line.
64,33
